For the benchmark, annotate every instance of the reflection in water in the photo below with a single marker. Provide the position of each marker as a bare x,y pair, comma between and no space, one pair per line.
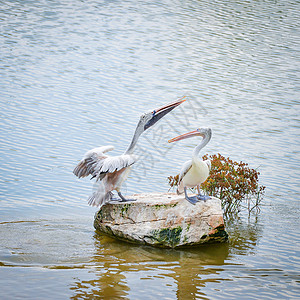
115,261
188,270
244,234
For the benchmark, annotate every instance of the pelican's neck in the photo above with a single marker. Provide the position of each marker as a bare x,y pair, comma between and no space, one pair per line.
138,131
202,144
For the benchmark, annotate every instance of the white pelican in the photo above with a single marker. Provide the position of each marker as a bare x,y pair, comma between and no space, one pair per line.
194,171
112,171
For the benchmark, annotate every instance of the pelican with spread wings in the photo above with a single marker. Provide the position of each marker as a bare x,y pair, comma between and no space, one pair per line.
111,171
195,171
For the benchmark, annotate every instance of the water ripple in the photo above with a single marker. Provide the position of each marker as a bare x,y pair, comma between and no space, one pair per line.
76,75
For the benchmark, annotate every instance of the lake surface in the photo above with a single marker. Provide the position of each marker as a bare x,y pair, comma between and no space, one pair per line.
78,74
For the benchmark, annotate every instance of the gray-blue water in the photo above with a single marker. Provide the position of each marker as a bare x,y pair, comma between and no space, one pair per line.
78,74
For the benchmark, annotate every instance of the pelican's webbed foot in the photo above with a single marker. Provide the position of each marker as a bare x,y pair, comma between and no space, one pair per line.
203,197
123,199
192,200
200,196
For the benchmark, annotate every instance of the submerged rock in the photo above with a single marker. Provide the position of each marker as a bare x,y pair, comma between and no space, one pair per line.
163,220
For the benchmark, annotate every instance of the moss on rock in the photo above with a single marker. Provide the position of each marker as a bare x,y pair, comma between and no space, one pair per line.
167,236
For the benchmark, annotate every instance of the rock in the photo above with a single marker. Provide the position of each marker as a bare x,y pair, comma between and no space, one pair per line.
163,220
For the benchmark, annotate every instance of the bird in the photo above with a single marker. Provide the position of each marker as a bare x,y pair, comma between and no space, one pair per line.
111,171
195,171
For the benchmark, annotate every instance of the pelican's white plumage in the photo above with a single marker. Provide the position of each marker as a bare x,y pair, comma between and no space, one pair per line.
111,171
195,171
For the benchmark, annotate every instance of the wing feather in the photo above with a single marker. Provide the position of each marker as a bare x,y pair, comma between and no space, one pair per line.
91,161
116,163
99,151
185,168
97,164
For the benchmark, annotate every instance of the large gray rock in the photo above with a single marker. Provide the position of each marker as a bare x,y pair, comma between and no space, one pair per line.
163,220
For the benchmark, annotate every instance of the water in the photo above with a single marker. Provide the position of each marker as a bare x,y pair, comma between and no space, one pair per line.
77,74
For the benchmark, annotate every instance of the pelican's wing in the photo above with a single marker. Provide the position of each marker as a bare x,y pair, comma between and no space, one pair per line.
208,162
91,161
99,151
185,168
116,163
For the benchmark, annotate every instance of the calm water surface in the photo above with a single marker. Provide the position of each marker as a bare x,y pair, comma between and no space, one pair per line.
77,74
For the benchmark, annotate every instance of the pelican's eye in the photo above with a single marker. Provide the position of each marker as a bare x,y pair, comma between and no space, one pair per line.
154,112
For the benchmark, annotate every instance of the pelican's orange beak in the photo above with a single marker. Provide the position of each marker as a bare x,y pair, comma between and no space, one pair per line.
186,136
170,106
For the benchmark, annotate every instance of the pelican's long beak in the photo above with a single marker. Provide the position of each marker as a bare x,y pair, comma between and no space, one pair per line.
186,136
158,113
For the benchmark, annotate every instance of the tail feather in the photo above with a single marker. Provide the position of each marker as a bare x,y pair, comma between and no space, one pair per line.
99,199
